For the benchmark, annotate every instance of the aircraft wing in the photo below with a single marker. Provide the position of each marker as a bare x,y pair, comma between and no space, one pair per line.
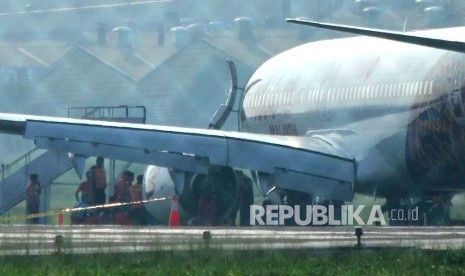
439,43
299,163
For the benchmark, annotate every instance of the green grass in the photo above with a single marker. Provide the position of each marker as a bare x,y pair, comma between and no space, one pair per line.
222,262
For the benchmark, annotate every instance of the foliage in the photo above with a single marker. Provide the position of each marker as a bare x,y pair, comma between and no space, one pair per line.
224,262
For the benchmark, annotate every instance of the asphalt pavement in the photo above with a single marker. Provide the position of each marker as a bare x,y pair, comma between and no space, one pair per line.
45,239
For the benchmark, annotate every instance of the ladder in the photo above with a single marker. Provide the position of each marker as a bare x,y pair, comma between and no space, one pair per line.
50,165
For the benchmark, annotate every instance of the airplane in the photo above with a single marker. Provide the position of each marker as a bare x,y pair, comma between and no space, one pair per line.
381,117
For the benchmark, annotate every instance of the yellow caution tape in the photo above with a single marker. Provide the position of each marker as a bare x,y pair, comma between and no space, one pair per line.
5,219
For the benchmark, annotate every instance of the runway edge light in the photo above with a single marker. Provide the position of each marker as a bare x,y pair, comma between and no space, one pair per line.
359,233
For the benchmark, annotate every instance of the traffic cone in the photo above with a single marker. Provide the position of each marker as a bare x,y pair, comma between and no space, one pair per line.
60,218
174,215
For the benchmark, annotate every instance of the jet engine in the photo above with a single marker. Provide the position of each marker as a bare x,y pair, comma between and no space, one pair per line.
219,186
158,184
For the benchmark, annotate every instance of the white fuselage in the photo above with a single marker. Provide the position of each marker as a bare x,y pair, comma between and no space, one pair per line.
389,105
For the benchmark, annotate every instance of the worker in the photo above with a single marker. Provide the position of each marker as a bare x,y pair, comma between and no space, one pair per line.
87,190
122,187
79,217
207,203
99,178
246,197
137,211
33,198
122,195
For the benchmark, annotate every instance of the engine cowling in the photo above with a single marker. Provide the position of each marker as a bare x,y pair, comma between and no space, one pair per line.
159,183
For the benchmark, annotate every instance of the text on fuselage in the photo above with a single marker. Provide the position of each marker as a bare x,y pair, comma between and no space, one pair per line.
283,129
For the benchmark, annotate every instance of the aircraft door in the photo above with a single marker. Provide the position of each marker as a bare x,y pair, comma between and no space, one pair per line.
456,103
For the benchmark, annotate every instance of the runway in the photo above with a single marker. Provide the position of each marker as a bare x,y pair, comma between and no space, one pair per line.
43,239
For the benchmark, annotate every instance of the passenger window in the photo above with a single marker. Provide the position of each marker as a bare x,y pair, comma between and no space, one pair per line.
415,88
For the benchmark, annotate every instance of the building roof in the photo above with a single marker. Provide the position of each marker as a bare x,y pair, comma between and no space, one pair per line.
145,55
40,53
254,52
52,6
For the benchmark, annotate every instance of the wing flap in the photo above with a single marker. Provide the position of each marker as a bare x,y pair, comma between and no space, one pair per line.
311,157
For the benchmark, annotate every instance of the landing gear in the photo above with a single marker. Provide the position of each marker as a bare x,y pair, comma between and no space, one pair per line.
273,198
213,198
330,210
294,198
426,211
400,212
436,211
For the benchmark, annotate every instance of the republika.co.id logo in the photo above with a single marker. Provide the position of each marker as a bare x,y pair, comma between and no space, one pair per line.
320,215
